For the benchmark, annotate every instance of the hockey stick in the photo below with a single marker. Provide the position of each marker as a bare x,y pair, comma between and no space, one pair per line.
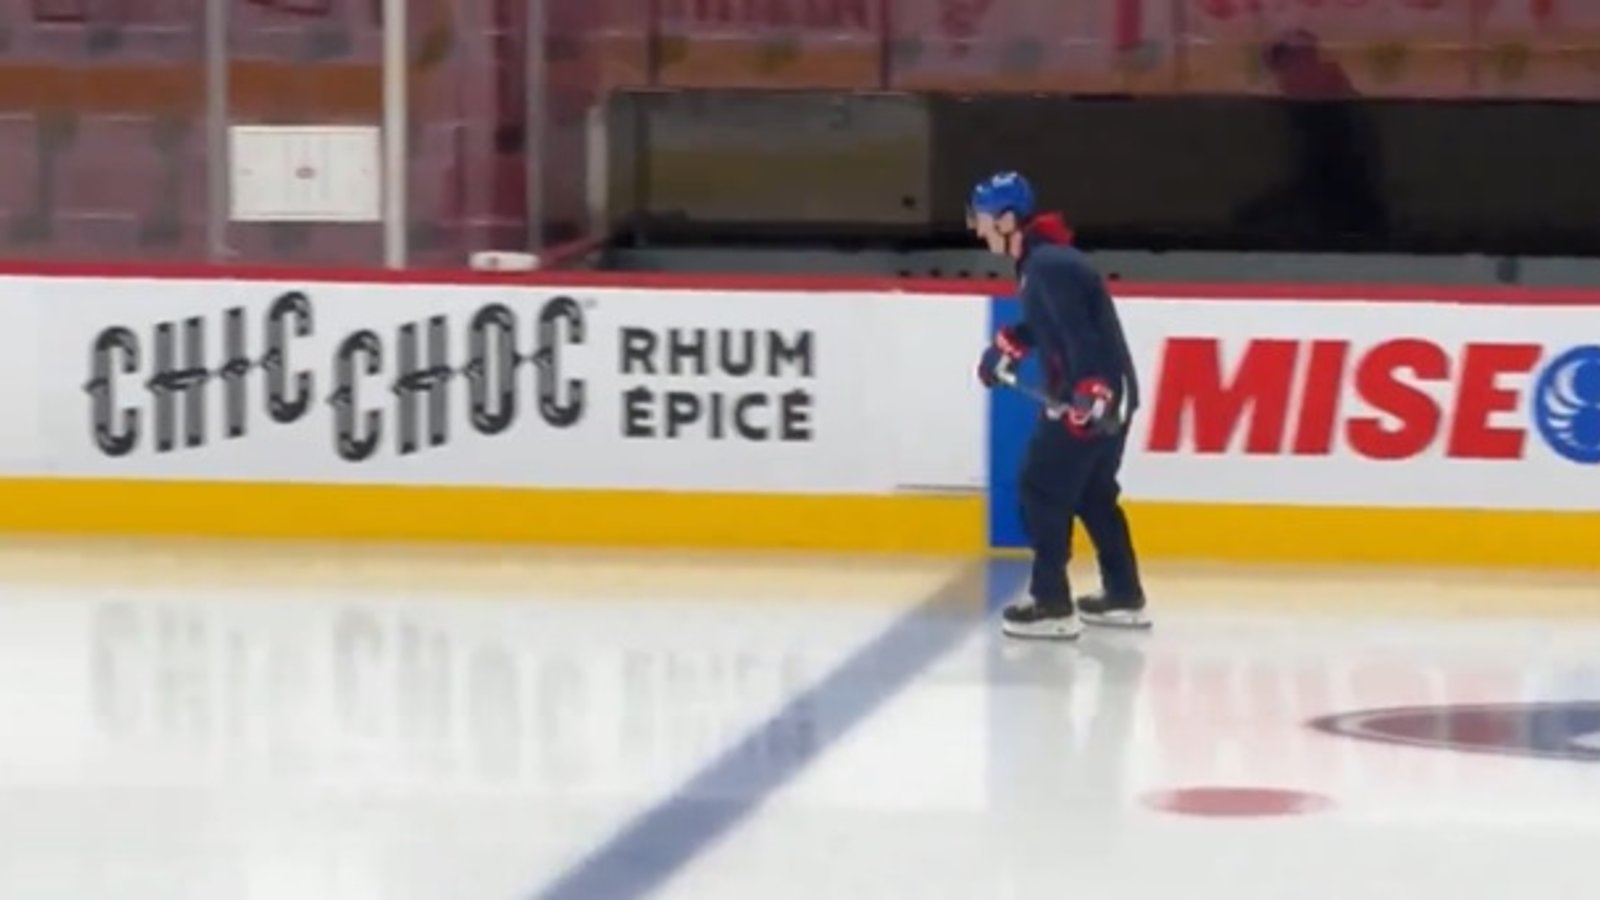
1052,408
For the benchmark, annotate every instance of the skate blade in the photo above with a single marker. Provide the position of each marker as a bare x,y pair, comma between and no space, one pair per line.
1118,618
1068,630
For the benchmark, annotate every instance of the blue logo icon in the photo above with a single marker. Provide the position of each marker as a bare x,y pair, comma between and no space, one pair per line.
1566,405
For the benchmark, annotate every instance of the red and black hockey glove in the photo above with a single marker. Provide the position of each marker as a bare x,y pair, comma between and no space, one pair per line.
1001,357
1092,410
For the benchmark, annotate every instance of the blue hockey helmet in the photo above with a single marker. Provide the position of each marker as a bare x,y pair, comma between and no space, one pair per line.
1001,193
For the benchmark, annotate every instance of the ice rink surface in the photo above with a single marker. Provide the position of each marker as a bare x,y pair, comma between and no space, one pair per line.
245,722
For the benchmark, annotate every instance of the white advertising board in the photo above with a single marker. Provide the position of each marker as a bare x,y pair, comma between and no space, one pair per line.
1251,401
1346,403
480,384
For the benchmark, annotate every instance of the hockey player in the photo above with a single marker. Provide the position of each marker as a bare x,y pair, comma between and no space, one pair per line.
1075,452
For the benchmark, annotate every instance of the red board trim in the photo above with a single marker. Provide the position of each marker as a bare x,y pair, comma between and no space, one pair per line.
1376,293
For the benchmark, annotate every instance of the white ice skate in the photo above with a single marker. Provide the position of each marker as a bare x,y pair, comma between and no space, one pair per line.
1030,620
1114,612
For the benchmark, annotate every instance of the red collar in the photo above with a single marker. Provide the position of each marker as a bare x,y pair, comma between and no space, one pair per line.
1050,228
1045,228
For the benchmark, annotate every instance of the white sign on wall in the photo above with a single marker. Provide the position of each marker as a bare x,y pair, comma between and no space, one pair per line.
305,173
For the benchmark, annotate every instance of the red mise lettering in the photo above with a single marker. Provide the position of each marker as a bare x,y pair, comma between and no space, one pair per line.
1202,408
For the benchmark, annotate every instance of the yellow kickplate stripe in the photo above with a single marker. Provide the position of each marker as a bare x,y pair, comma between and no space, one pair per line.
1304,534
312,568
898,523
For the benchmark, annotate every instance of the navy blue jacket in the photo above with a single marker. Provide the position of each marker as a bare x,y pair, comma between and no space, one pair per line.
1068,317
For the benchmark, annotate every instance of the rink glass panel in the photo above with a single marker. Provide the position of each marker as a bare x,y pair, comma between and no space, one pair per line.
106,110
107,115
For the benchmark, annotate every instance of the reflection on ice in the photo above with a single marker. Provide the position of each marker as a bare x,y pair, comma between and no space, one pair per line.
450,698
